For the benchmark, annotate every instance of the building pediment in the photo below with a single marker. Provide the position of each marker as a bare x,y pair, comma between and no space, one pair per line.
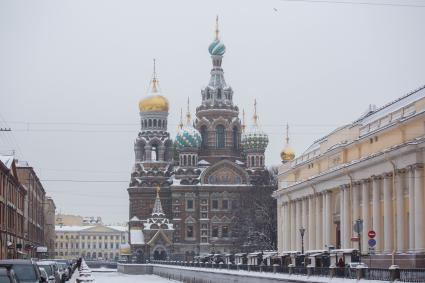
100,229
225,172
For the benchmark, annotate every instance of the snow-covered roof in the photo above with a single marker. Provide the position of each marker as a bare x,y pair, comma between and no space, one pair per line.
136,236
7,160
203,162
66,228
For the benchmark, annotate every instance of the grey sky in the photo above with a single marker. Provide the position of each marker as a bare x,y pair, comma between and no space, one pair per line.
84,65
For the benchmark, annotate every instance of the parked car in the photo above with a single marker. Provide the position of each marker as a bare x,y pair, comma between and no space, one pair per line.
63,271
7,275
43,274
43,265
55,270
26,271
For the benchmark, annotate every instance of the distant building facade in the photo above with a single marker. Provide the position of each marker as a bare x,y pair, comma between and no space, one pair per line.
49,226
76,220
212,176
34,207
90,241
12,211
372,170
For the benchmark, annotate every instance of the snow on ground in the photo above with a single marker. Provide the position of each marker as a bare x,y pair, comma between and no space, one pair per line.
115,277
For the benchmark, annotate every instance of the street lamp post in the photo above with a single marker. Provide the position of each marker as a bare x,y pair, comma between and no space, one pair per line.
302,232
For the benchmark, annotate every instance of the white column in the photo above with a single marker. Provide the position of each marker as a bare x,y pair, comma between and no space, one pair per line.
311,221
319,221
329,219
356,201
279,226
388,213
293,225
411,182
419,208
304,223
322,199
347,221
341,215
376,211
365,214
401,223
286,223
298,225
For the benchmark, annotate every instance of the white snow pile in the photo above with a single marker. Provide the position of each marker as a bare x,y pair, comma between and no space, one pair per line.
84,273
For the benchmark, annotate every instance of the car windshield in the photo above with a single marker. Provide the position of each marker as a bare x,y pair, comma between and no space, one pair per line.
25,272
4,279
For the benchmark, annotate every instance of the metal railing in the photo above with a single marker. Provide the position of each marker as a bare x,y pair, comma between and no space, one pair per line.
381,274
412,275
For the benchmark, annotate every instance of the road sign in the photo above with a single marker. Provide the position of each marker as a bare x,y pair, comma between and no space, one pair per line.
371,234
372,242
358,226
354,239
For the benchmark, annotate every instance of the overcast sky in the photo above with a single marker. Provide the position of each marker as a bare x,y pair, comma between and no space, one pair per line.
72,73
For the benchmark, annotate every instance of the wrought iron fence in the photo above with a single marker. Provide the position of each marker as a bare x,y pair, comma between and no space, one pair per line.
412,275
381,274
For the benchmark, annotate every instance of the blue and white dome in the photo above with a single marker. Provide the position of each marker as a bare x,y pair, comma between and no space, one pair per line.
217,48
189,138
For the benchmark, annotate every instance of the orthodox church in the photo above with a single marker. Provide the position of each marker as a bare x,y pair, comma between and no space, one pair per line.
202,191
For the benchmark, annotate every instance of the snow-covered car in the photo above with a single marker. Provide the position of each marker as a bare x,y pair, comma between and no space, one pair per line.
45,267
357,265
43,274
54,267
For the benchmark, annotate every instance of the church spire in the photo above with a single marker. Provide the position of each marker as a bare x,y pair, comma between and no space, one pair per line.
243,121
217,31
157,207
188,116
181,119
154,82
255,116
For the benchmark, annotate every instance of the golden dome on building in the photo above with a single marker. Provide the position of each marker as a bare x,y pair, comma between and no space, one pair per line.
287,154
154,102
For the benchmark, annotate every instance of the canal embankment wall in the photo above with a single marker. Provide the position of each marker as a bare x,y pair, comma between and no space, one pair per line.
201,275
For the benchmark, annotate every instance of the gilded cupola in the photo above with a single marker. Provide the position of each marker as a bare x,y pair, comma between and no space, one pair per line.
287,154
154,101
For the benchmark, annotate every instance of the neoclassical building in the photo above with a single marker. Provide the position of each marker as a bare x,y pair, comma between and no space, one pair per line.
371,169
208,176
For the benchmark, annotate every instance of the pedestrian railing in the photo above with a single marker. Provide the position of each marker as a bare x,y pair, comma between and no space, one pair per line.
381,274
412,275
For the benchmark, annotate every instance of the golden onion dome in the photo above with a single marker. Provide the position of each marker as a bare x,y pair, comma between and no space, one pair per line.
287,154
154,102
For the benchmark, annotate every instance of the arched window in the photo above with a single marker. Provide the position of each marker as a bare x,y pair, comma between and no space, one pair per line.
146,123
218,93
235,137
194,160
154,123
159,123
184,160
257,161
150,123
252,161
204,135
154,153
220,136
189,160
261,161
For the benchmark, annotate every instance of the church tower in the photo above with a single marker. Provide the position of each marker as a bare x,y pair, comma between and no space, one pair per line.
217,118
153,154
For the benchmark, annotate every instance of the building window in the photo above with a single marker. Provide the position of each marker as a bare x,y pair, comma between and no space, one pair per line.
204,215
204,135
220,136
189,204
225,231
214,233
225,204
214,204
189,231
234,204
235,137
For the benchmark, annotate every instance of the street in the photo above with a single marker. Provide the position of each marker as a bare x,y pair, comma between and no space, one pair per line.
111,276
